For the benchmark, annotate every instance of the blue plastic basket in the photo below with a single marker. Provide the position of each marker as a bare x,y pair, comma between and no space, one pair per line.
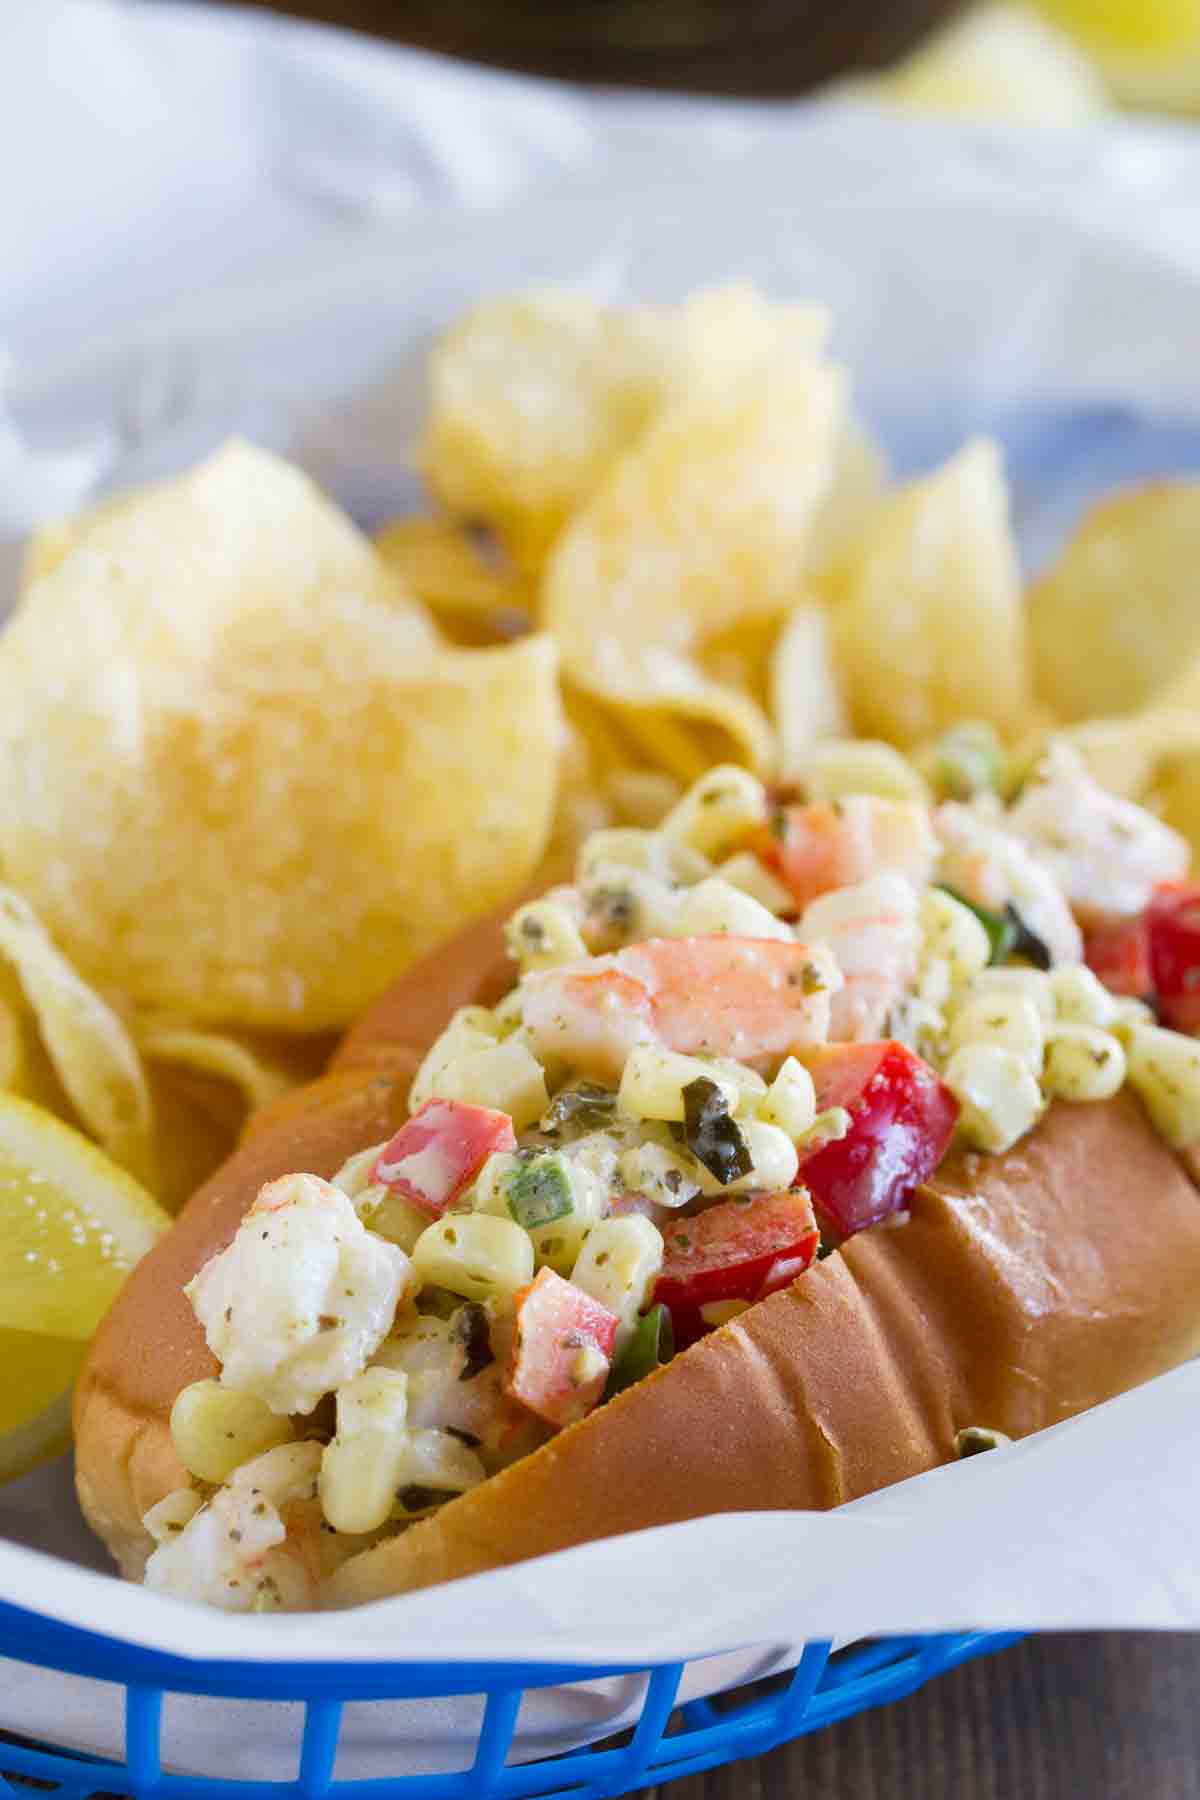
665,1743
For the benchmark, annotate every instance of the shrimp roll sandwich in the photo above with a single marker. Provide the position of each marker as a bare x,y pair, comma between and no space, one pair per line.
791,1149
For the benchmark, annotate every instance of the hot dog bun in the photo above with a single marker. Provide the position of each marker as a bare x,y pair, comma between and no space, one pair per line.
1023,1289
151,1345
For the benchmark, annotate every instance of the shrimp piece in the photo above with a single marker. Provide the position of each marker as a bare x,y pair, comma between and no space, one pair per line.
992,868
255,1546
815,849
717,996
590,1018
873,931
453,1377
1107,854
300,1299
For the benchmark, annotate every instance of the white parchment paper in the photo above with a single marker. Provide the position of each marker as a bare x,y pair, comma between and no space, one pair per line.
225,223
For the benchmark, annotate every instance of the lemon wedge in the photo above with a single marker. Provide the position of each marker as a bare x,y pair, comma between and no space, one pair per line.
1148,51
72,1225
1134,27
35,1399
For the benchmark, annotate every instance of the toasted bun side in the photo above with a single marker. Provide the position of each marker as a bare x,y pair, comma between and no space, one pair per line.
1023,1289
151,1345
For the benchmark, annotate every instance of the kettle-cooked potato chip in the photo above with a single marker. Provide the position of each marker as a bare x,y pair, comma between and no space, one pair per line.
928,617
530,398
1151,757
1126,754
88,1045
51,543
1118,615
473,602
856,488
214,1053
700,526
197,1122
806,698
238,779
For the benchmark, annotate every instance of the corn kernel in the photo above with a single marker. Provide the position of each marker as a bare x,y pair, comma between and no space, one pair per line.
791,1100
505,1076
717,811
745,871
838,767
999,1097
1082,1063
543,935
1009,1020
617,1266
653,1081
1081,998
475,1255
215,1430
1164,1067
715,908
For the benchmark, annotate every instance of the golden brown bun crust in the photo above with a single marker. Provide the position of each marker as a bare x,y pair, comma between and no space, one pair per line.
1023,1289
151,1345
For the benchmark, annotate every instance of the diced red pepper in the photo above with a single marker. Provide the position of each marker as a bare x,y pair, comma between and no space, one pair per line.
1173,931
1120,956
902,1117
1156,956
737,1250
562,1350
435,1155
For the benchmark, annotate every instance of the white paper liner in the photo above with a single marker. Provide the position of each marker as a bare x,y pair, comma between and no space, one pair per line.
271,223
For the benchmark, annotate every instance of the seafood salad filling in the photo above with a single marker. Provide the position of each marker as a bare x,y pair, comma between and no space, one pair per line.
730,1043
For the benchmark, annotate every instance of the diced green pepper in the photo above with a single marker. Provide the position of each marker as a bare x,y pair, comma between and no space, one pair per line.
539,1192
652,1344
1000,928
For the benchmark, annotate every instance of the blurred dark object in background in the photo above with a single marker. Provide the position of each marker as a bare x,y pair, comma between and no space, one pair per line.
712,46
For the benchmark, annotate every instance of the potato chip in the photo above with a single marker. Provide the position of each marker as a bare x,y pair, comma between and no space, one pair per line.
473,602
240,783
857,486
530,398
1118,615
12,1049
198,1120
723,336
28,1070
205,1086
52,542
213,1053
697,528
1151,757
1176,793
1126,754
806,698
642,797
92,1052
928,620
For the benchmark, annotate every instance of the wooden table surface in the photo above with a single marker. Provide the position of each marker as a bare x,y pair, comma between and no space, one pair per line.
1078,1717
1102,1716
